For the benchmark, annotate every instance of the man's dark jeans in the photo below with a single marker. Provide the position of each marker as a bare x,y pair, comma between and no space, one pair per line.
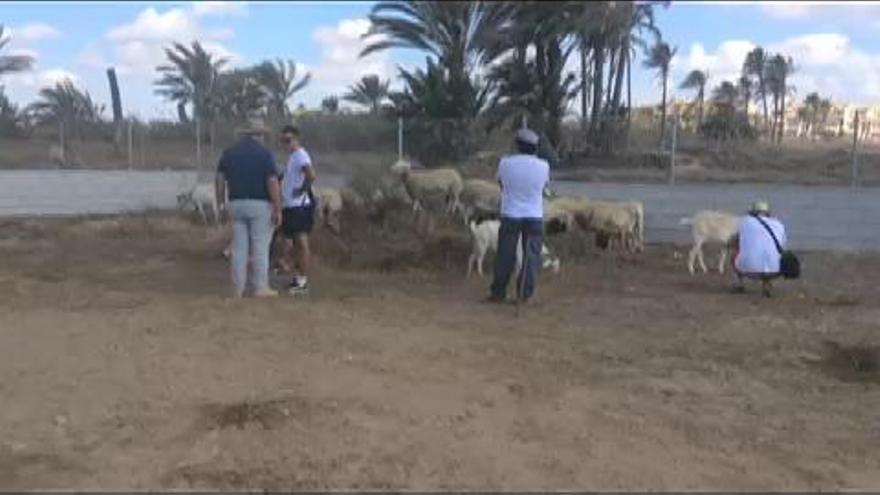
531,231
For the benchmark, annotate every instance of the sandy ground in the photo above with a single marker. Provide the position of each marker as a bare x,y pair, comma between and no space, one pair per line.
123,367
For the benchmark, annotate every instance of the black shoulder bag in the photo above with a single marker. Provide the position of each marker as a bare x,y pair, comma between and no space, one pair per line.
789,264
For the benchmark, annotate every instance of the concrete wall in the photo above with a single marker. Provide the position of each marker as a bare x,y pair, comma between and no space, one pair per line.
817,218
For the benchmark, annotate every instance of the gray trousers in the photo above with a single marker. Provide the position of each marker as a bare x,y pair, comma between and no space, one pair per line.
531,231
251,234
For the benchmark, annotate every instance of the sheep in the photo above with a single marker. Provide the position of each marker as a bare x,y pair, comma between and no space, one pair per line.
617,220
200,196
559,212
485,238
431,187
329,207
479,197
708,226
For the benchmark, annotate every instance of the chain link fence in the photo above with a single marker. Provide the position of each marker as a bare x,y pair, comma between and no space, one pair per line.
636,148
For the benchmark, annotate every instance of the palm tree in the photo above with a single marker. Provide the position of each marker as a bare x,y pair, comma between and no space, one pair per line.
68,106
755,66
725,96
777,71
239,94
370,92
697,79
12,63
745,86
457,34
659,59
330,104
279,81
189,78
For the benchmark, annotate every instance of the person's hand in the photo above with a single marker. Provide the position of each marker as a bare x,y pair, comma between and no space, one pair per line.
276,217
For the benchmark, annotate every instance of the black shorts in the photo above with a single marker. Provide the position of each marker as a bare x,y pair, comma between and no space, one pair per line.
297,221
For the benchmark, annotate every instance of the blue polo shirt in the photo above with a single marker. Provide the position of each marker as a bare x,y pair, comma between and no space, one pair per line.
247,165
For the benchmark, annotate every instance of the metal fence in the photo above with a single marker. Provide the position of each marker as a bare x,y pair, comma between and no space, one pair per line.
623,150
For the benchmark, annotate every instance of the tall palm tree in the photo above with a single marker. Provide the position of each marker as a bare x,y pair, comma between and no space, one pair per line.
745,87
659,59
12,63
697,79
370,92
280,83
755,65
777,72
189,78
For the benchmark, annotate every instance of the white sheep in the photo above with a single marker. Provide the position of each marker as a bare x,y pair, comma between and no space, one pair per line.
429,187
201,196
484,235
714,227
329,207
479,197
559,212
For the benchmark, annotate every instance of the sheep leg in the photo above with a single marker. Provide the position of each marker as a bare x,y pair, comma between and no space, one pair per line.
470,264
702,261
201,210
722,260
692,256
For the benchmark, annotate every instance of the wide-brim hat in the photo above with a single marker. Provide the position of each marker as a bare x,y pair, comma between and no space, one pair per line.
253,125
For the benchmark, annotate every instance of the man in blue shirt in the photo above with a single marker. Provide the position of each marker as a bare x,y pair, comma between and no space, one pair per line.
248,170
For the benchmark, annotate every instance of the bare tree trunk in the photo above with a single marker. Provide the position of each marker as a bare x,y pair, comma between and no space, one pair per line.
584,95
763,88
622,64
181,113
702,96
663,111
628,101
613,62
782,114
598,67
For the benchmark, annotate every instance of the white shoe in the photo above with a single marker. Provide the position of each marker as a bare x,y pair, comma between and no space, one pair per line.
265,293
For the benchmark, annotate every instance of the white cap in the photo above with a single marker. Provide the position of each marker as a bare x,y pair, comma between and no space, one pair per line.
527,136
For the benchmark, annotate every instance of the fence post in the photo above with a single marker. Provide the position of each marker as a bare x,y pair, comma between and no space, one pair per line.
672,151
130,146
854,179
399,138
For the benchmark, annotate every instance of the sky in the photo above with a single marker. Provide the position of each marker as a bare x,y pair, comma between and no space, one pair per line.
834,45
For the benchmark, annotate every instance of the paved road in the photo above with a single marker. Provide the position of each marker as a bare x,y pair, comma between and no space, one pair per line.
817,217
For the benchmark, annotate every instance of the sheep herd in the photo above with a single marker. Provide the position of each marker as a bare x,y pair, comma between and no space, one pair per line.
436,192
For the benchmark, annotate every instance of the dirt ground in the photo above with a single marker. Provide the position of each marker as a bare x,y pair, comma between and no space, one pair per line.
124,368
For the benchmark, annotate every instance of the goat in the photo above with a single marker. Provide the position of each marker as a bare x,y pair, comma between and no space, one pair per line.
485,238
709,226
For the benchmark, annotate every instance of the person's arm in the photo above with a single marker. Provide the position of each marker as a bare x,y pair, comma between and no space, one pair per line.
275,198
309,177
220,183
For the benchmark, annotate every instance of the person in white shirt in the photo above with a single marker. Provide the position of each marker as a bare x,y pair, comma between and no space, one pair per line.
298,213
523,177
756,254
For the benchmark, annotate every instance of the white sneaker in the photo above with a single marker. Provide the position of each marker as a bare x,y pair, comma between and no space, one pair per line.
265,293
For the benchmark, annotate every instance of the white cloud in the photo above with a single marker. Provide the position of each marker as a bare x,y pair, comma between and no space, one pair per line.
138,46
26,52
824,62
206,8
340,64
35,31
788,10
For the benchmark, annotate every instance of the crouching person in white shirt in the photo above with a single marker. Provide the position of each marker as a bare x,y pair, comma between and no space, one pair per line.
757,248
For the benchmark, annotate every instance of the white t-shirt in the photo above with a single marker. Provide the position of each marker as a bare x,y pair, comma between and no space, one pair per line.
294,176
757,251
523,178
